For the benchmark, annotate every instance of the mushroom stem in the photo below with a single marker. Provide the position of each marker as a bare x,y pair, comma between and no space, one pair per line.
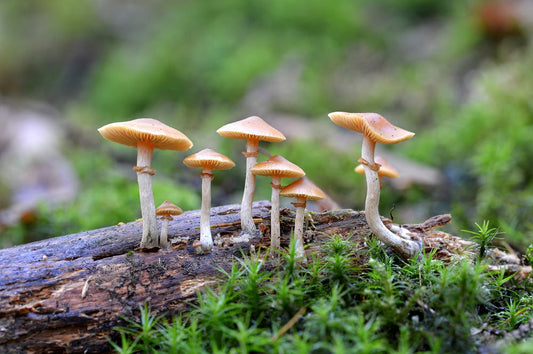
247,222
163,240
406,248
299,226
206,240
274,214
146,195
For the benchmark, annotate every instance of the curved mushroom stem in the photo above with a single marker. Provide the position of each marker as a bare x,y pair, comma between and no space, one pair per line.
247,222
299,226
274,214
146,194
406,248
163,239
206,240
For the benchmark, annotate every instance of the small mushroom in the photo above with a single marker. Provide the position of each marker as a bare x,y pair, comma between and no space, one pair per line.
252,129
166,210
303,190
276,167
385,169
146,134
376,129
208,160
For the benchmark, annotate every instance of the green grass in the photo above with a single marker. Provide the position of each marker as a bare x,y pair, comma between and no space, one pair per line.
361,301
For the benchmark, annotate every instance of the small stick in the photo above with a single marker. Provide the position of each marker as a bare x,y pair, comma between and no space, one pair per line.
85,289
432,223
289,324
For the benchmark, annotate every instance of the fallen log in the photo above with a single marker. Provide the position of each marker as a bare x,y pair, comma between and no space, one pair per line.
67,293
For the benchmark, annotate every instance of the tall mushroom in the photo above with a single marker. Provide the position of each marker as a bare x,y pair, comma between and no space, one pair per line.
385,169
146,134
276,167
303,190
166,210
253,129
376,129
208,160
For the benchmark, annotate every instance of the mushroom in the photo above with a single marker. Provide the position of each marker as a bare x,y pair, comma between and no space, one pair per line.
208,160
303,190
252,129
376,129
146,134
166,210
276,167
385,169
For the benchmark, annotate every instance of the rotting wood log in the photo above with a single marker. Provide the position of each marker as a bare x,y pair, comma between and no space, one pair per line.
67,293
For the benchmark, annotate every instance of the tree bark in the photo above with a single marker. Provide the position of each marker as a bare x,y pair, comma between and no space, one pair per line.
67,293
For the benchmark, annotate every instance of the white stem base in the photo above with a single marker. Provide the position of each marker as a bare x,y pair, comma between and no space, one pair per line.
274,216
247,222
146,195
163,239
406,248
206,240
299,229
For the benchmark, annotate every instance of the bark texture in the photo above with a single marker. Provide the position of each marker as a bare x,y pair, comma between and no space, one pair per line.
67,293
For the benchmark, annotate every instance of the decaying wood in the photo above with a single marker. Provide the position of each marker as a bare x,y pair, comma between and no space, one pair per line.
67,293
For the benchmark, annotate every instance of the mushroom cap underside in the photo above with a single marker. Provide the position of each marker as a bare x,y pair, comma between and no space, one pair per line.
277,166
251,128
372,125
146,130
303,188
209,158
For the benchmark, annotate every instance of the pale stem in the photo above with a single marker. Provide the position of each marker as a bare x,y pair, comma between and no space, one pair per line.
206,240
274,214
299,227
404,247
247,222
163,239
146,195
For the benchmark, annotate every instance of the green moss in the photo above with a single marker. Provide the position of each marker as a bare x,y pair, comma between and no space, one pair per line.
382,307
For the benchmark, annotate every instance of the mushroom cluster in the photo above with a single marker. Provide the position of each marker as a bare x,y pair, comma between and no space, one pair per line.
252,129
147,134
276,167
376,129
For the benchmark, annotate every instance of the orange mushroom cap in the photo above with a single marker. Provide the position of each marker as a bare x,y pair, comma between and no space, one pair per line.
372,125
167,208
303,188
146,130
385,170
251,128
277,166
209,158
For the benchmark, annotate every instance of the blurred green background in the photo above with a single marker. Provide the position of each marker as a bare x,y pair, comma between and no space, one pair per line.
457,73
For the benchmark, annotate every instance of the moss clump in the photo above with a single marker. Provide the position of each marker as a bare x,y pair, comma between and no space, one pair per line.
362,301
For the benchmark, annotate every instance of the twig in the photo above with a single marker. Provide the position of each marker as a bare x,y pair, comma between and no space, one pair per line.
85,288
289,324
